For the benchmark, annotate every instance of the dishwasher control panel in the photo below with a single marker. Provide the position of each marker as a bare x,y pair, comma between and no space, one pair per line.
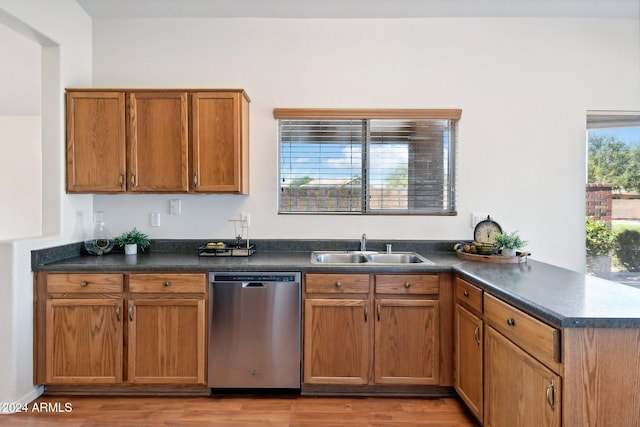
254,277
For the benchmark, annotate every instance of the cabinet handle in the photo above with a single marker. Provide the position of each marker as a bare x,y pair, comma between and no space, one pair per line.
366,312
166,284
551,395
465,293
121,180
338,284
476,335
511,321
133,179
407,285
378,309
118,312
131,311
84,284
195,180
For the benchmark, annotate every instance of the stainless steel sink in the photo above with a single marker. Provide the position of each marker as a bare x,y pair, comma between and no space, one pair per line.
367,258
337,258
397,258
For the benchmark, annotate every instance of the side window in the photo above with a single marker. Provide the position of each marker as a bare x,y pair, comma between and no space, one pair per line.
613,195
387,164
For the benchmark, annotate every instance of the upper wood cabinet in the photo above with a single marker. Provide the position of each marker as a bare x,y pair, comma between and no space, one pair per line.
158,142
161,141
220,134
96,144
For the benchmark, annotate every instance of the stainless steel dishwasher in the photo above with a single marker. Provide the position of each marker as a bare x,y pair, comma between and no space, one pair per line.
254,330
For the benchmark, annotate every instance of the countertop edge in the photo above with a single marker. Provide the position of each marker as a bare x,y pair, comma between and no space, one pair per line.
494,278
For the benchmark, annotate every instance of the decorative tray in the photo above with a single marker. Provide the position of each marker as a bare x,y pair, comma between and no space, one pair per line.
496,258
227,250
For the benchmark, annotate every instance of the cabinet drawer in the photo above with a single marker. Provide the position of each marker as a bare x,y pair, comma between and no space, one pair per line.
425,284
167,283
469,294
84,283
539,339
337,283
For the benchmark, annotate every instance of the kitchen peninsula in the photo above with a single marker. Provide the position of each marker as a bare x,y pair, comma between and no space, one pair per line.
552,345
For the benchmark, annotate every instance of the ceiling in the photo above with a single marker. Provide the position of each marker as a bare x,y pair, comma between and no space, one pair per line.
628,9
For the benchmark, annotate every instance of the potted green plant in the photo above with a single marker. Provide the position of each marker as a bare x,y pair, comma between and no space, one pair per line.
509,242
131,240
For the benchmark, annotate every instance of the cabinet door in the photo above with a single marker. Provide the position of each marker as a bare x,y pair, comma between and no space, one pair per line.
220,142
158,142
96,151
468,358
166,341
407,341
337,341
519,390
84,341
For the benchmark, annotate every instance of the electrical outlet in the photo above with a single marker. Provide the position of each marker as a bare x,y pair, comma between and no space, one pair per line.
246,217
476,217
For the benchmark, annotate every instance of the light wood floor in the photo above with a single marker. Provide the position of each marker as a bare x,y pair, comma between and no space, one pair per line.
242,411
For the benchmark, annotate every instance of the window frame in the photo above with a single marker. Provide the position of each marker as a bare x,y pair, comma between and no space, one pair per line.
372,114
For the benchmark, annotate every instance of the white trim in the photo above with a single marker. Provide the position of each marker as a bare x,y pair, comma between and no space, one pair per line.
24,400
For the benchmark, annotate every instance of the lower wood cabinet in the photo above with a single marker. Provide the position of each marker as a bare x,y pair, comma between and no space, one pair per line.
337,341
407,341
84,341
166,325
522,361
507,363
378,329
87,325
83,328
520,391
469,345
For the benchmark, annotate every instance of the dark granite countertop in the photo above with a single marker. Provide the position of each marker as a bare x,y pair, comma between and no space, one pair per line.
556,295
559,296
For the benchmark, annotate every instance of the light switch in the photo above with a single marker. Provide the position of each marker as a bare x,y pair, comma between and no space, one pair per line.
174,207
155,219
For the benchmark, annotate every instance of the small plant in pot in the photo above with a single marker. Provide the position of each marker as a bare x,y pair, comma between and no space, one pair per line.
131,240
509,242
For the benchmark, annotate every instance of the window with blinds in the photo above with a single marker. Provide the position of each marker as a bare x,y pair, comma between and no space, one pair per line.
343,162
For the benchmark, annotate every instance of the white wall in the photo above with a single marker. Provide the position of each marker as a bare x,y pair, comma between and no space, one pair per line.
63,32
20,82
21,177
524,86
20,136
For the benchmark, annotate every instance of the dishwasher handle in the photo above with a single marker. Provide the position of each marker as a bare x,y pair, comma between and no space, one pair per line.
254,285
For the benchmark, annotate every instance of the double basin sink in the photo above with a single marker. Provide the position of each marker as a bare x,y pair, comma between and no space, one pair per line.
371,258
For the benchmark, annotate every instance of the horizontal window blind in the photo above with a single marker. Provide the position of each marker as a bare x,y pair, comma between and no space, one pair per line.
321,165
366,166
409,166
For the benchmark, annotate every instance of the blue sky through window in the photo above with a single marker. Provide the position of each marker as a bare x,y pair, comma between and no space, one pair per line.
629,135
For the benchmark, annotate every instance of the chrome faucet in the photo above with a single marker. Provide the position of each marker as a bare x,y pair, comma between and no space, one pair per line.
363,243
